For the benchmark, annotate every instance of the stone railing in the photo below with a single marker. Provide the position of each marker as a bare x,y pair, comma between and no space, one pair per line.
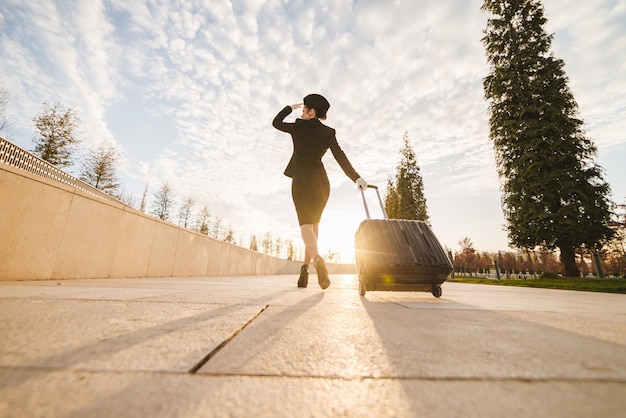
17,157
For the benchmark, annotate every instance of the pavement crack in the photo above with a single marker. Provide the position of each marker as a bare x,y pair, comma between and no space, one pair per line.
217,349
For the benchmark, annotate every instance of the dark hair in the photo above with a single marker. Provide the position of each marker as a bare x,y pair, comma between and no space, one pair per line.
318,103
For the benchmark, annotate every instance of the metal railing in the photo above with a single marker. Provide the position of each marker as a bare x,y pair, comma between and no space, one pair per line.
11,154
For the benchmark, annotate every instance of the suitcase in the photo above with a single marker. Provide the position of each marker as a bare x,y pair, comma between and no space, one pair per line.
399,254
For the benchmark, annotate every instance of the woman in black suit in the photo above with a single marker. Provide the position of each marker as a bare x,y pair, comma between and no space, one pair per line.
310,188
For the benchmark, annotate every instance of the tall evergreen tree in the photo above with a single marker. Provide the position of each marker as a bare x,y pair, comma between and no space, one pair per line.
142,205
391,200
405,197
99,168
254,246
58,135
554,195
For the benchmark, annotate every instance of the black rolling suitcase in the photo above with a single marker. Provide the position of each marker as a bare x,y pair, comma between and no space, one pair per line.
398,254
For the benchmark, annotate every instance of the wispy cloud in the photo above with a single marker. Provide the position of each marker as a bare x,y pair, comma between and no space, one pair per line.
188,90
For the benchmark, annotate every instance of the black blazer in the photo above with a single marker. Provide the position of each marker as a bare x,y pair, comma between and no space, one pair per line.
311,138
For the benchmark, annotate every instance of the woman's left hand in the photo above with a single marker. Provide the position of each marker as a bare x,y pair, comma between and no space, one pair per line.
296,106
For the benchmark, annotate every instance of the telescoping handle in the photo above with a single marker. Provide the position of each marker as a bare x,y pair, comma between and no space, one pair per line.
382,207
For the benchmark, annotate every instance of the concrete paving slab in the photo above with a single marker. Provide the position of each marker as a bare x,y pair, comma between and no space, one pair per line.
258,346
108,335
62,393
387,340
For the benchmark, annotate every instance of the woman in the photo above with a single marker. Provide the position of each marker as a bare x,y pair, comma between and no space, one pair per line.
310,187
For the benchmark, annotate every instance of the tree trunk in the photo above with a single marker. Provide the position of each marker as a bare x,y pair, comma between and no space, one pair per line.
568,258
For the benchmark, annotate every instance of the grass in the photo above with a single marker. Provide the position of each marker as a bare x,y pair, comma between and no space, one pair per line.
616,285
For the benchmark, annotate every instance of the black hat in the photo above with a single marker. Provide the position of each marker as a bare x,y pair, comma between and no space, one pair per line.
317,102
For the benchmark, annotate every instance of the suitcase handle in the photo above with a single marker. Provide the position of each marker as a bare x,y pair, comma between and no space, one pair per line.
382,207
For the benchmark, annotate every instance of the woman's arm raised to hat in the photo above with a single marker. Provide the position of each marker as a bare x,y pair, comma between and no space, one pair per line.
278,120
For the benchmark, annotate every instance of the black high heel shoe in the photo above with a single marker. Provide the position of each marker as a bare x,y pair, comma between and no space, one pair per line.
303,280
322,272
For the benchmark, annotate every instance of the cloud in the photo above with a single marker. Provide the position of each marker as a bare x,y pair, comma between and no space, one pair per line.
188,91
589,38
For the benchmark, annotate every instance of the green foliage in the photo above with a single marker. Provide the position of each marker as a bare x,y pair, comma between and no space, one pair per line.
554,195
548,275
567,283
405,197
391,200
57,134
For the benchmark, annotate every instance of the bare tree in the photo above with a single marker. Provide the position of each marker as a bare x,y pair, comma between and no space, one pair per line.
184,214
267,243
291,252
508,263
128,198
163,201
217,229
58,134
278,247
466,260
332,256
99,168
203,220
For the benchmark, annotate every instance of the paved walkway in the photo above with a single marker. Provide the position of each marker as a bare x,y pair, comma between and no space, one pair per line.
259,346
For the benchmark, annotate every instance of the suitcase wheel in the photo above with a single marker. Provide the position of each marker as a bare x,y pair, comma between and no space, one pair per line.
437,292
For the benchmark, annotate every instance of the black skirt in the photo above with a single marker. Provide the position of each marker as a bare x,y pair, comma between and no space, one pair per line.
310,192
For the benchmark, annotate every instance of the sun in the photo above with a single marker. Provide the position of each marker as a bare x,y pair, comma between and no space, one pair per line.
336,234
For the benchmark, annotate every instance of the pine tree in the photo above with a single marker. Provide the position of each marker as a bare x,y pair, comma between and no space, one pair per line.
229,236
405,197
142,205
391,200
553,192
57,134
99,168
254,246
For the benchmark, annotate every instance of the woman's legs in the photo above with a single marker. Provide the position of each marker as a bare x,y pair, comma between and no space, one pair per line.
310,233
309,236
310,193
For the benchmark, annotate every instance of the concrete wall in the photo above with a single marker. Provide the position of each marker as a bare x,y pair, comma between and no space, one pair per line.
49,230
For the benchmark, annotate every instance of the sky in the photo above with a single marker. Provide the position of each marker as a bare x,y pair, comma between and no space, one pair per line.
187,90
